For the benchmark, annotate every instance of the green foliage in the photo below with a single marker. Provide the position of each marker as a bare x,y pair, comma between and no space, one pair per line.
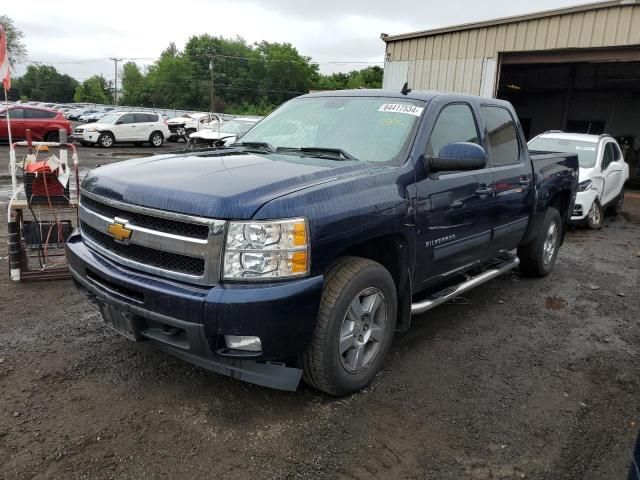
93,90
263,107
246,79
133,85
15,44
170,82
370,77
44,83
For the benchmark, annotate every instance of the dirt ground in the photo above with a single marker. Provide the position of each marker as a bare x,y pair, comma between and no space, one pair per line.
520,378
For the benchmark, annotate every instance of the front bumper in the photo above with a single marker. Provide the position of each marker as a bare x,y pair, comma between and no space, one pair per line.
87,137
190,321
582,205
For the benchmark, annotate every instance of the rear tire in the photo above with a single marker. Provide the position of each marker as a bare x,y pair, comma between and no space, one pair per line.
538,257
595,217
356,322
52,137
616,208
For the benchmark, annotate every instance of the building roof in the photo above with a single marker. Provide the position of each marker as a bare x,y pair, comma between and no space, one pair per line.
512,19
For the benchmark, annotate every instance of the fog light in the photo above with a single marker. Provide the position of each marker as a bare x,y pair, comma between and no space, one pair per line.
242,342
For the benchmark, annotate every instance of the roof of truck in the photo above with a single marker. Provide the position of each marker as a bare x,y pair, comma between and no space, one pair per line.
423,95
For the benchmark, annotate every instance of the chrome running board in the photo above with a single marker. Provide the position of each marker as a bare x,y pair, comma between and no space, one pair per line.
447,294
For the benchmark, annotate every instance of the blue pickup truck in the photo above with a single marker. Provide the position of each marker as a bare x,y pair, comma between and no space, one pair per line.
301,249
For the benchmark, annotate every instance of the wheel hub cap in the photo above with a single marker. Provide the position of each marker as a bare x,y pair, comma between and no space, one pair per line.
362,330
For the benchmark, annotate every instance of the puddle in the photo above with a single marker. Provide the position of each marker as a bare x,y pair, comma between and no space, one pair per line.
555,303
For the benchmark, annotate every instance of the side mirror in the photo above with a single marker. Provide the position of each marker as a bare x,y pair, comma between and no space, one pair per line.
118,122
458,156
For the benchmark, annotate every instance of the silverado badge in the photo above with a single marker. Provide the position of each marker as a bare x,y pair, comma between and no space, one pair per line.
118,231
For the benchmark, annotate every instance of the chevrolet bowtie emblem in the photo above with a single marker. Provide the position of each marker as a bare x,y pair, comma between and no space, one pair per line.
119,232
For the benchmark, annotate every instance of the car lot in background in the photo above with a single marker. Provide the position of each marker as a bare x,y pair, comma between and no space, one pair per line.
226,133
119,127
44,123
185,125
603,172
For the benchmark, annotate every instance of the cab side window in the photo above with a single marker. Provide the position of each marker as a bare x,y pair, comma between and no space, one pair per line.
456,123
502,134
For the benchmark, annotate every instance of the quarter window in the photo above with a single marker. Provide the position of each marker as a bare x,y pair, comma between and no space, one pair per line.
455,123
502,134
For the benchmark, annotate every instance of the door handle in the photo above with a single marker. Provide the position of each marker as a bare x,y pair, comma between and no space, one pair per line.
457,204
524,181
484,191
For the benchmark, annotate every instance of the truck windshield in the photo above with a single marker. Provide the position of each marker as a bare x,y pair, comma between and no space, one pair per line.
373,129
586,151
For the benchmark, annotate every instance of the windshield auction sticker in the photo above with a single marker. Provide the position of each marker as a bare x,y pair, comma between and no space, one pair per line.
401,108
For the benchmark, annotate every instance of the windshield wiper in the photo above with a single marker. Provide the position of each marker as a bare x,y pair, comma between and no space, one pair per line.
267,146
336,153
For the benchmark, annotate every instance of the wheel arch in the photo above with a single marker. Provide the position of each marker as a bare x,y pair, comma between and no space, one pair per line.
392,252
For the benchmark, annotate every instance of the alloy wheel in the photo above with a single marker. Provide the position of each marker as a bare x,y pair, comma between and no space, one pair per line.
363,330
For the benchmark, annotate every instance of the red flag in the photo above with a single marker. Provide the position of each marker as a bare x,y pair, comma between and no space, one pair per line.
4,60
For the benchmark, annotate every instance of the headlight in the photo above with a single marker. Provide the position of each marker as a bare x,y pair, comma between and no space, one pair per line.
266,250
90,129
582,186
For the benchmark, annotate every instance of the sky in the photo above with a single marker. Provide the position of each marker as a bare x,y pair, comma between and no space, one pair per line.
340,35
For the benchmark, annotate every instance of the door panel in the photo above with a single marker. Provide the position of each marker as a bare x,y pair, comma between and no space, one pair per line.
612,172
512,176
453,210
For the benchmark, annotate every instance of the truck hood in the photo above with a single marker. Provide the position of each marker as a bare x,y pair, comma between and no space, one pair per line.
218,184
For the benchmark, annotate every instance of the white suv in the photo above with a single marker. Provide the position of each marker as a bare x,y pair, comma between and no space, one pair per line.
117,127
602,175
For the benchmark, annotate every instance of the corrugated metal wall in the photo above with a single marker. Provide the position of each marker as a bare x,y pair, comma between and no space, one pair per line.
466,60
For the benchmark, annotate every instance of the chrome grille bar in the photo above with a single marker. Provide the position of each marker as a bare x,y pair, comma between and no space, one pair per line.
155,241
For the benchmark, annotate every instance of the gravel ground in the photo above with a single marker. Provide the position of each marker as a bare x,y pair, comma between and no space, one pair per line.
520,378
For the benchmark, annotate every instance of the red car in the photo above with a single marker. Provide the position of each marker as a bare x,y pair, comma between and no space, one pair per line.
43,122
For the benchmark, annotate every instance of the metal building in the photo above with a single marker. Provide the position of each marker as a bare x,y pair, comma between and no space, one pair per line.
575,69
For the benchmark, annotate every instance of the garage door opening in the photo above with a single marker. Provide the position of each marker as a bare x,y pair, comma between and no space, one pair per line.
576,96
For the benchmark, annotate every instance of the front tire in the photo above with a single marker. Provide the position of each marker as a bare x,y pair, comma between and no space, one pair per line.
106,140
156,139
595,217
353,334
538,257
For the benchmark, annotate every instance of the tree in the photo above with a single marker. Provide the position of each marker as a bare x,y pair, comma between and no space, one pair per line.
170,82
279,72
133,85
370,77
93,90
15,45
45,83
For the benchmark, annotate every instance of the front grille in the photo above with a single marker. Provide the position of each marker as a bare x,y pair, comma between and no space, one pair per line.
154,223
175,128
145,255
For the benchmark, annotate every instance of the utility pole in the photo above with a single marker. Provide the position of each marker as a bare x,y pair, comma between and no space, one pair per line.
115,81
211,70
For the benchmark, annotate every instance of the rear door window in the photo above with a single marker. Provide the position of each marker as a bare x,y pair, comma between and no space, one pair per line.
31,113
146,117
502,135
